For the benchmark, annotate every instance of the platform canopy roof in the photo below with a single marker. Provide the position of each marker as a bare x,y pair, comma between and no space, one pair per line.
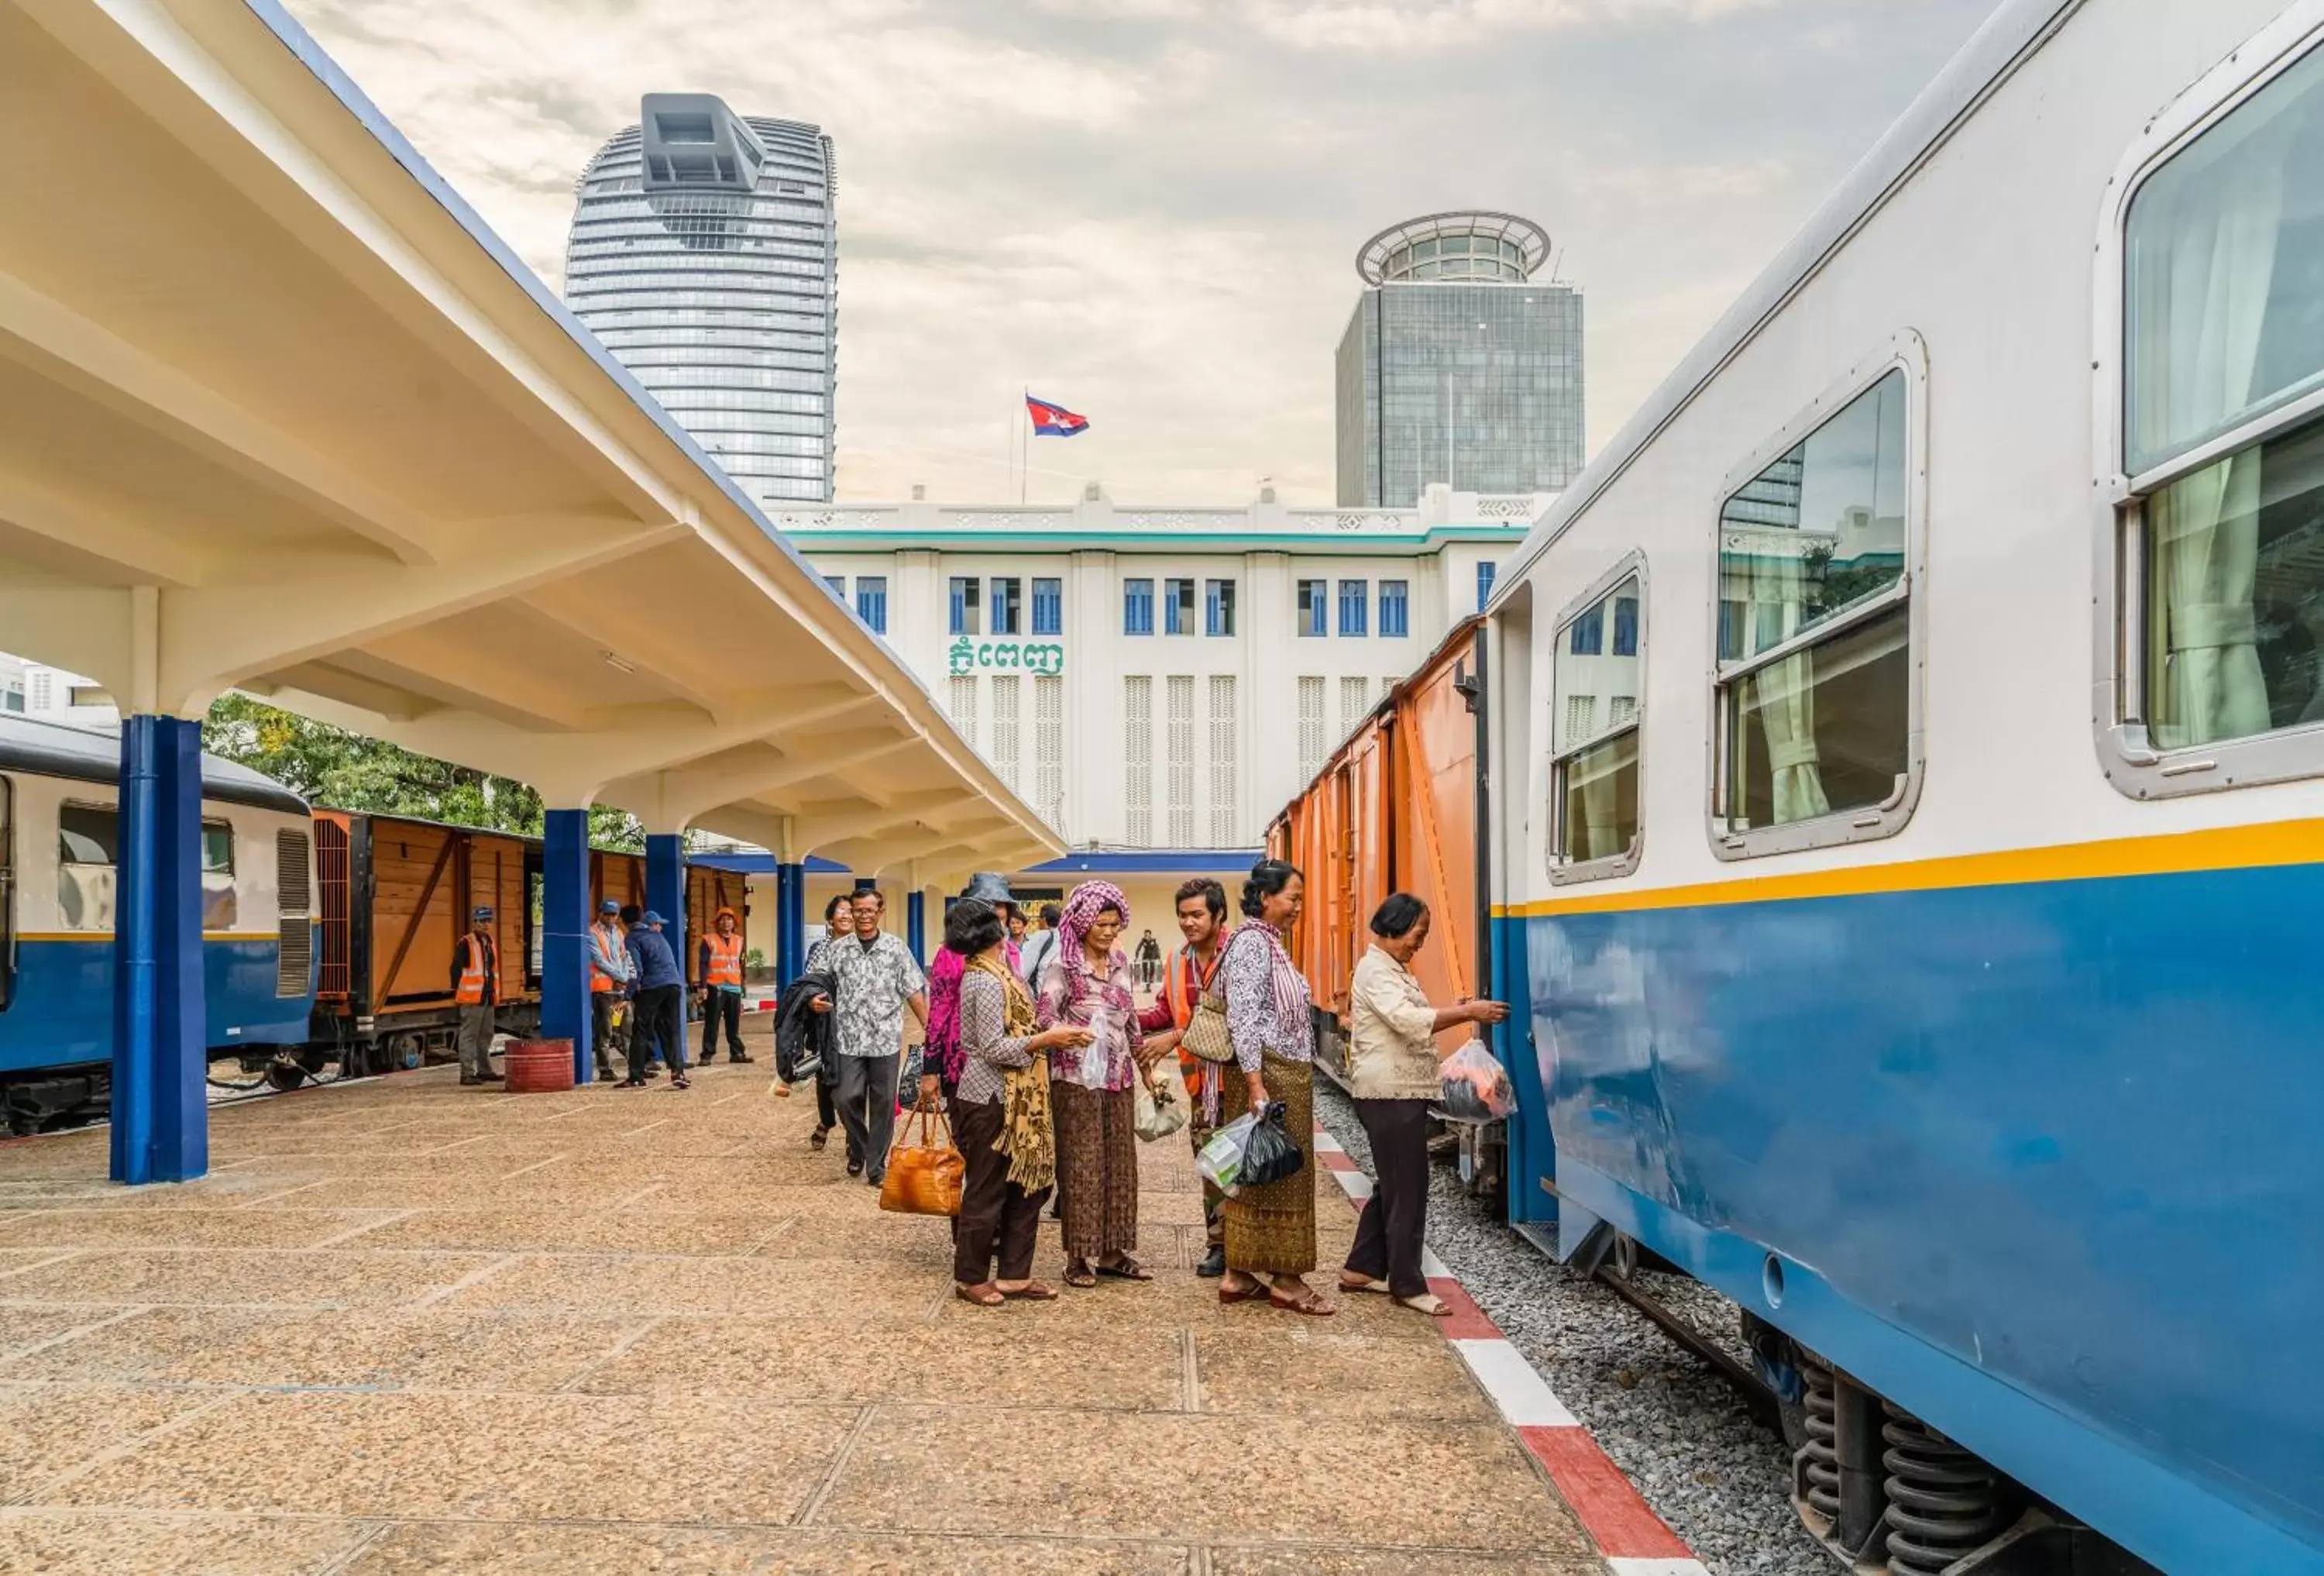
277,412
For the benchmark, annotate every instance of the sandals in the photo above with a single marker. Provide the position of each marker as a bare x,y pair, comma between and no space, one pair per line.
681,1082
984,1295
815,1139
1428,1303
1230,1296
1128,1268
1309,1303
1079,1276
1032,1291
1380,1286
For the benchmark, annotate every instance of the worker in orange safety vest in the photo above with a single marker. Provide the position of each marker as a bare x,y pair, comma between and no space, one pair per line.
609,977
475,987
718,967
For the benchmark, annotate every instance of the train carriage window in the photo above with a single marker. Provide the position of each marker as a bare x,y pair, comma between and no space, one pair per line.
1815,722
217,848
87,847
2220,509
1596,721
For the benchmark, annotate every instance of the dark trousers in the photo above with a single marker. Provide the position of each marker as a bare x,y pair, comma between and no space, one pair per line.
997,1217
1389,1233
600,1029
826,1115
659,1025
867,1109
722,1006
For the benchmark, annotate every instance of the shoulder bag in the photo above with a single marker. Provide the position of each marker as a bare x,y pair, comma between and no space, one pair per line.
925,1171
1206,1033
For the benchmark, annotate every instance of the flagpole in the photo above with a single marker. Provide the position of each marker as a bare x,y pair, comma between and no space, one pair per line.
1024,443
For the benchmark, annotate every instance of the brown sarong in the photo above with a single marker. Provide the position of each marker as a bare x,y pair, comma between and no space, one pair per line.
1271,1229
1097,1162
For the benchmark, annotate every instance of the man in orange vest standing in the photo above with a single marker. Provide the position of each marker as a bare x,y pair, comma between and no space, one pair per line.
609,975
719,966
476,986
1202,919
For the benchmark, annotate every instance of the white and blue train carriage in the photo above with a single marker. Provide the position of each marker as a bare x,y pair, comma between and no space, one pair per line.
59,862
1908,751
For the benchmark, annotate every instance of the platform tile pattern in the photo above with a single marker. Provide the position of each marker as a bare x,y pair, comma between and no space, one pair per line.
410,1327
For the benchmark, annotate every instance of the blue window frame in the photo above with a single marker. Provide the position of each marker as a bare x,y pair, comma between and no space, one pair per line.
1218,608
1355,606
1395,609
1138,607
1008,605
1486,575
1313,607
1048,607
1589,633
1177,607
1626,626
967,595
872,602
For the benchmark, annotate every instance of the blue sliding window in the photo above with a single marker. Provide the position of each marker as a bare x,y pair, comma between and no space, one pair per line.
966,596
872,602
1626,626
1177,607
1395,609
1355,606
1314,609
1048,607
1218,608
1138,607
1589,633
1486,575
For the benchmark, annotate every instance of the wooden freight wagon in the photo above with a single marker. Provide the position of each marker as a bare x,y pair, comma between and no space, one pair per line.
622,877
1395,808
393,896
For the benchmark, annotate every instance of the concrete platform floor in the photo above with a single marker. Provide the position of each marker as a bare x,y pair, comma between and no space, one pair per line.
406,1326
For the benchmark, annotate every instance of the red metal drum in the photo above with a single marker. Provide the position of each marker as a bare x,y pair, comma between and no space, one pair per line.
539,1066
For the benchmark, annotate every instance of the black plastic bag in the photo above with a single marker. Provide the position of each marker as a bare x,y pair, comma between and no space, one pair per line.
1270,1156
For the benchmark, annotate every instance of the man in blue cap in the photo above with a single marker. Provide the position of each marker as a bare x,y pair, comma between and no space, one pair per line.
662,1021
476,988
609,977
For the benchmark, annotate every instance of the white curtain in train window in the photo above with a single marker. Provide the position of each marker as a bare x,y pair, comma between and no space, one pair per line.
2203,262
1783,694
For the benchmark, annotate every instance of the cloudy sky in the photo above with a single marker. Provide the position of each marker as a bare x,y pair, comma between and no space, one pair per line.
1147,209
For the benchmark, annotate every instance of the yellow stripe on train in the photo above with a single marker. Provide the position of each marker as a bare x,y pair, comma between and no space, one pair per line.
2279,842
106,935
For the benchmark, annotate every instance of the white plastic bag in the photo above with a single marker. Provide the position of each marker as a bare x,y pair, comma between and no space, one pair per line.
1220,1160
1096,1054
1475,1087
1161,1107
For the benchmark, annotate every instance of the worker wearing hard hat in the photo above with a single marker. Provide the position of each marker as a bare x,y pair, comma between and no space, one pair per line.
475,987
718,965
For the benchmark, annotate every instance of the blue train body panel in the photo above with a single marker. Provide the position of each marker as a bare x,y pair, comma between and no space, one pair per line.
2042,1162
61,1014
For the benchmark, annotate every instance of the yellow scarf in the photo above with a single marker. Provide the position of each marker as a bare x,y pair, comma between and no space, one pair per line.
1026,1135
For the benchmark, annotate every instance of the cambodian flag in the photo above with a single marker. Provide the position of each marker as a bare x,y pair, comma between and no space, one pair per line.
1054,420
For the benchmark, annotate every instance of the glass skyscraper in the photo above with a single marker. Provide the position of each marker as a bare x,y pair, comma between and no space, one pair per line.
705,255
1457,366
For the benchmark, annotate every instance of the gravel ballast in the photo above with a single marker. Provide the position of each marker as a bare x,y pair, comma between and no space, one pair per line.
1722,1481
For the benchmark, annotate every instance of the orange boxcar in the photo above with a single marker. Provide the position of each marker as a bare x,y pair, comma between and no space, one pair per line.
1396,809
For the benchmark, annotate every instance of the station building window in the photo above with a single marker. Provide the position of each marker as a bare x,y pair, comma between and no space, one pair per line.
872,602
1355,606
1816,704
1219,609
1177,607
1596,728
2219,516
966,614
1048,607
1487,573
1008,605
1395,609
1315,607
1138,607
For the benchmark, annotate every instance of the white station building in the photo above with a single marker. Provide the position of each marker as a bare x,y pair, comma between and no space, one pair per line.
1157,682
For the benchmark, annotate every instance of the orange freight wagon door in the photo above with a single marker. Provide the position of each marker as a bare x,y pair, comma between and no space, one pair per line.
1436,844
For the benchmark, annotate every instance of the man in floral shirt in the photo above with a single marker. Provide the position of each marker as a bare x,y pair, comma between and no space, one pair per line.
878,979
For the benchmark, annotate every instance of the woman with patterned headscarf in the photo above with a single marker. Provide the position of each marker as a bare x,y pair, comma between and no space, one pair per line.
1085,981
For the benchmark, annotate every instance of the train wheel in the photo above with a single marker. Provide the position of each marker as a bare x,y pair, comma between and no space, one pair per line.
406,1051
283,1075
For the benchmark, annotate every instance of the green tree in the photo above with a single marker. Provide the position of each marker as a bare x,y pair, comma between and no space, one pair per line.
347,770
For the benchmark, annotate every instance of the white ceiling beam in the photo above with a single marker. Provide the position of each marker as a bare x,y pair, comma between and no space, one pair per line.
75,532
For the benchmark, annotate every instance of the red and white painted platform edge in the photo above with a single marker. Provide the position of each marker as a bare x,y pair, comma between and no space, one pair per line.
1634,1540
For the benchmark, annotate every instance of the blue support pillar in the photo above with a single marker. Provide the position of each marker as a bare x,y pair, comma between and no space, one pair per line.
565,936
161,1114
666,896
916,925
790,923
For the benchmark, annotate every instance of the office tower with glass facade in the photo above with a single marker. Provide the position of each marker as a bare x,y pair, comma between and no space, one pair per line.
1458,366
705,255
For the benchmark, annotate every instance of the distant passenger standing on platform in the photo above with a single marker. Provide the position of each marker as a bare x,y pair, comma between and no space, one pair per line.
1392,1056
661,1004
838,919
1001,1114
1202,920
878,980
1271,1229
476,988
1034,955
1149,962
1085,983
719,966
633,924
609,976
1017,931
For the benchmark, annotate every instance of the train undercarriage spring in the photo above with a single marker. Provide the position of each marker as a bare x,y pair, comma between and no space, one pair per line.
1821,1453
1942,1502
